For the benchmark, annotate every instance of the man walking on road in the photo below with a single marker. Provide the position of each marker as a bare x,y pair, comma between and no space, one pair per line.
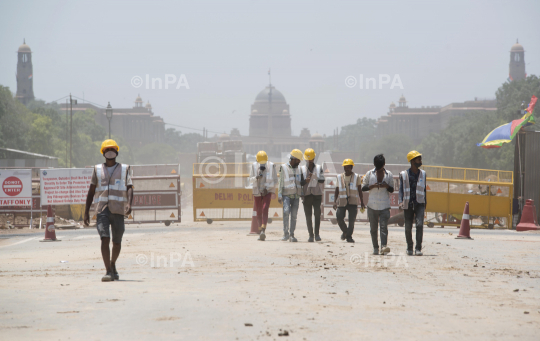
111,190
380,183
346,197
312,182
263,178
412,199
289,192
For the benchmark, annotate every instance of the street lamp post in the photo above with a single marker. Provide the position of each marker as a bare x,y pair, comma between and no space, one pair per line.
109,113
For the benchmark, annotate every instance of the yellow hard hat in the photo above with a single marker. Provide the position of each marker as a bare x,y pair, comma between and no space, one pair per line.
348,162
413,154
297,153
309,154
262,157
109,143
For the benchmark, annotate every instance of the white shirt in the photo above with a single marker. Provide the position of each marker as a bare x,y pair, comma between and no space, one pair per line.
379,198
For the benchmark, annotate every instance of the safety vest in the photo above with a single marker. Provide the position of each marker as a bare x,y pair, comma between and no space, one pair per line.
267,174
291,183
316,188
420,188
111,189
353,197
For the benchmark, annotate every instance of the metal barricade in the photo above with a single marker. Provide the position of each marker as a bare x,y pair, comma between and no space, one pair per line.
221,191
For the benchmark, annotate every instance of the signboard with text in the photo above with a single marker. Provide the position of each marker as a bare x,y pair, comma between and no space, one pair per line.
16,187
65,186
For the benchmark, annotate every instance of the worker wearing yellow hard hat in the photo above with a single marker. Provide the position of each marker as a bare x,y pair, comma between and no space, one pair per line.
412,200
312,180
347,197
111,190
379,182
263,178
289,193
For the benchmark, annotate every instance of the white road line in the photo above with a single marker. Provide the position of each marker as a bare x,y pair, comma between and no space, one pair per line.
20,242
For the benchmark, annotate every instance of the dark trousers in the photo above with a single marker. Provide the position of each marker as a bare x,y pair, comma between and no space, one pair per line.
262,204
416,213
340,215
312,204
376,217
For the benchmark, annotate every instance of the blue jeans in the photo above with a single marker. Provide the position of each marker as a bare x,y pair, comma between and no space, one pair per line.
290,208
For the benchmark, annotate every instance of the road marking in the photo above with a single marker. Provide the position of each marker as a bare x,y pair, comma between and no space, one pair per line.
20,242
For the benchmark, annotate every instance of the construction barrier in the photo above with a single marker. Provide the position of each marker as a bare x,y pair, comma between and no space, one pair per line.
156,194
489,193
221,191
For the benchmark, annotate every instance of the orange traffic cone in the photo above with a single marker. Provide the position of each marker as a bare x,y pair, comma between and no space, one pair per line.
465,228
254,222
528,220
50,235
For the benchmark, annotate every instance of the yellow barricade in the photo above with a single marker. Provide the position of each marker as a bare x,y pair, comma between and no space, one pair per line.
489,193
221,191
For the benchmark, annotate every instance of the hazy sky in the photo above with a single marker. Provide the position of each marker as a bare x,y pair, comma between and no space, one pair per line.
443,52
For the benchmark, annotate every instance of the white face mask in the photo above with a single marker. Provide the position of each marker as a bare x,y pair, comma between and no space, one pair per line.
110,155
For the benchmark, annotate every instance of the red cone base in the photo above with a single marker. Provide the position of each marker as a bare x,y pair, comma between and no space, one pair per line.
254,223
465,228
50,235
528,220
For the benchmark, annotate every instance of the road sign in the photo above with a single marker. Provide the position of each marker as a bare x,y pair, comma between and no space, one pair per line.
65,186
16,187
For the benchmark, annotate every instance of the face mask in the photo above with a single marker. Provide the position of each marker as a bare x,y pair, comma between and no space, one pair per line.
263,167
111,154
419,164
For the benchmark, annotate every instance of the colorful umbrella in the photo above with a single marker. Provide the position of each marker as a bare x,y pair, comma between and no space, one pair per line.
507,132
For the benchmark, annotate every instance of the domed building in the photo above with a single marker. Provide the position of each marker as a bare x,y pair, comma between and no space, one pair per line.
517,63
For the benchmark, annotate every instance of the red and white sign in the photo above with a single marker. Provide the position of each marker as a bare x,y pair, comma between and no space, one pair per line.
65,186
16,187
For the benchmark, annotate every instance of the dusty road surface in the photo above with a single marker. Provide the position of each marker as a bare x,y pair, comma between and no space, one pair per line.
193,281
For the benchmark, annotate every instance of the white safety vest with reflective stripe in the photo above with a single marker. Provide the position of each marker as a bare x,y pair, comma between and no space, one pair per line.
353,197
268,175
111,189
291,182
420,188
314,186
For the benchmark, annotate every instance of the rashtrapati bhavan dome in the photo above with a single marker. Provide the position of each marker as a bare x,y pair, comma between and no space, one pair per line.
270,127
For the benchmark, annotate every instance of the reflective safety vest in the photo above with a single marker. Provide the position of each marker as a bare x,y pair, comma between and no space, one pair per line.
111,189
353,198
268,173
291,182
315,186
420,188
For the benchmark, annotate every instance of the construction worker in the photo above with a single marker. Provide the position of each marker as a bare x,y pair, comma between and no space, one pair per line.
111,190
263,178
289,193
412,199
348,193
379,183
312,180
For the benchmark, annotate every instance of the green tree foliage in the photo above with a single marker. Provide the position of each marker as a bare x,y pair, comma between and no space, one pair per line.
156,153
183,143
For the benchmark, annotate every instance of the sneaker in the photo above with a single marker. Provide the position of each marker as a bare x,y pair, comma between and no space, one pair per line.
115,273
385,250
317,238
343,236
409,253
285,237
418,253
292,239
350,240
262,236
108,277
375,251
311,240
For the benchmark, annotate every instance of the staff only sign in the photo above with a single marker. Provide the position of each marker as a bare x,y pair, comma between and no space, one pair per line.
65,186
16,187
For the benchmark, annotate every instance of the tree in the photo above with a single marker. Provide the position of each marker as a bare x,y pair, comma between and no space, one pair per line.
156,153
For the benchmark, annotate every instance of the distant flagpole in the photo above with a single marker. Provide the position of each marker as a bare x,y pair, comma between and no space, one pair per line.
269,77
